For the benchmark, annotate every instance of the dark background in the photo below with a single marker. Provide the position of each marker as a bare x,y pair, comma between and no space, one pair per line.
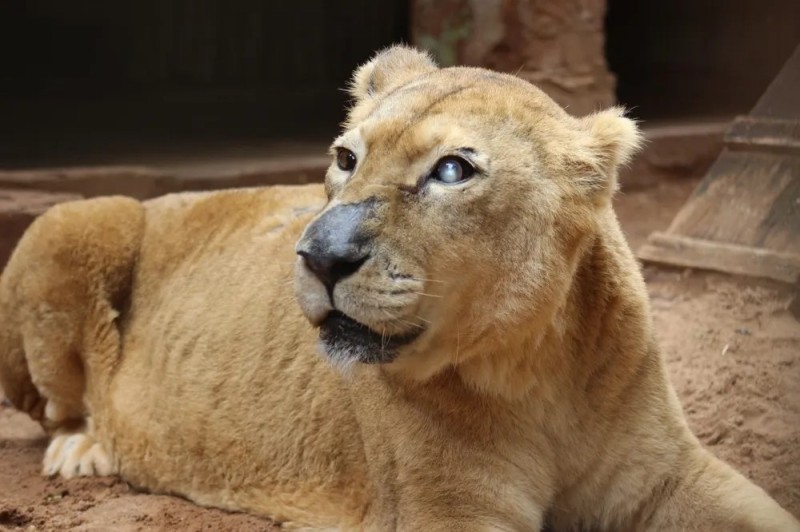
681,58
82,76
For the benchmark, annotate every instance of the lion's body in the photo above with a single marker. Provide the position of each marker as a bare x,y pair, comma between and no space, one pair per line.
172,327
201,363
188,370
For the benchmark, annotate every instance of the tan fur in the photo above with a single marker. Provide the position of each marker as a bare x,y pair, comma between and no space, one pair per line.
165,338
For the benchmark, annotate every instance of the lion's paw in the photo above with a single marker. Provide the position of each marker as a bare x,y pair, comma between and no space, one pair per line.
76,454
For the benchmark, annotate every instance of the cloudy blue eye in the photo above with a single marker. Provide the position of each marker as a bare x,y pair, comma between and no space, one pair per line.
451,170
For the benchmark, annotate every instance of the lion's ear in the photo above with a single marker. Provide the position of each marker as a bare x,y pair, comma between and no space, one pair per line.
612,141
388,69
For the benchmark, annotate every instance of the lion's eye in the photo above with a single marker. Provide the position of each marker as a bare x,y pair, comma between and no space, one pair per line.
345,159
451,170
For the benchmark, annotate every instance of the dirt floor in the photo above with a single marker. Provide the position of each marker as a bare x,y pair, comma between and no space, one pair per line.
732,349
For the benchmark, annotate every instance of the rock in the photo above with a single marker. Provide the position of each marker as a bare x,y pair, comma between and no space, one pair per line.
555,44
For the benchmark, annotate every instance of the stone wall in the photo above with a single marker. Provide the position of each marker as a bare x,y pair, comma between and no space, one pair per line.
555,44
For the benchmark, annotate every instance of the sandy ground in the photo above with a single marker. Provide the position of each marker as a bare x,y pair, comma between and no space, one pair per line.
732,349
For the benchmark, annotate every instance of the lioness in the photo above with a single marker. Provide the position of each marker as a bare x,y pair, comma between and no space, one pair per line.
487,354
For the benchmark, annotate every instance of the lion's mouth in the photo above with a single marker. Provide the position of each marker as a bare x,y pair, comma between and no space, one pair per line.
342,336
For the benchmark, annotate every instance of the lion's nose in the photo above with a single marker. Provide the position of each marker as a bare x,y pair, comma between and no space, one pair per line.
330,269
336,245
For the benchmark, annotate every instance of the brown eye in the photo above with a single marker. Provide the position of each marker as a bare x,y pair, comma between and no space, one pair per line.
345,159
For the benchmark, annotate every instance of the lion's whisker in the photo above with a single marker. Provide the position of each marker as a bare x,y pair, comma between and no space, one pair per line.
400,320
426,280
420,318
410,323
428,295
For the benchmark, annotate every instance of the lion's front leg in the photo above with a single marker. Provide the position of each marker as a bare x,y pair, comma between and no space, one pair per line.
477,508
446,523
710,496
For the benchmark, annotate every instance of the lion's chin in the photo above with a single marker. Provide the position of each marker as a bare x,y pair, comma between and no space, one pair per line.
345,340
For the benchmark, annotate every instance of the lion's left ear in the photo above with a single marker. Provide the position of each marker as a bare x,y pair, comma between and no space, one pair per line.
388,69
612,141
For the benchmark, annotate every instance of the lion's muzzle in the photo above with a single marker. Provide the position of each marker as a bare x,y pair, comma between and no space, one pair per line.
337,243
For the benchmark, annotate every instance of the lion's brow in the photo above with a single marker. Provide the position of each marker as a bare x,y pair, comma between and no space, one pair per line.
418,117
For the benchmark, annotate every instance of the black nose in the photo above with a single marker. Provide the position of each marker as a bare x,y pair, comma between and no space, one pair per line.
337,244
330,269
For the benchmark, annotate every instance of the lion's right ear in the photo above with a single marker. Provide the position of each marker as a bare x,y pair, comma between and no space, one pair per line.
610,140
388,69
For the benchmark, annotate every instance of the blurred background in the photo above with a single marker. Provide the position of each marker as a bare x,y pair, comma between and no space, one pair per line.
168,83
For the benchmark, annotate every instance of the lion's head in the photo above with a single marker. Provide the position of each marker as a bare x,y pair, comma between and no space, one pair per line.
460,200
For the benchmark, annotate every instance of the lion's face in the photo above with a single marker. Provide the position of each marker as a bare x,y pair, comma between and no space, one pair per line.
459,200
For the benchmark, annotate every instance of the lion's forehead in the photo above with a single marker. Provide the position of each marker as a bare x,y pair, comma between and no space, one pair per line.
465,90
404,140
416,130
453,110
431,96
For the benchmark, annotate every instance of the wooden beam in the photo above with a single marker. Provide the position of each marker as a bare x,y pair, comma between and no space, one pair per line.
764,133
683,251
